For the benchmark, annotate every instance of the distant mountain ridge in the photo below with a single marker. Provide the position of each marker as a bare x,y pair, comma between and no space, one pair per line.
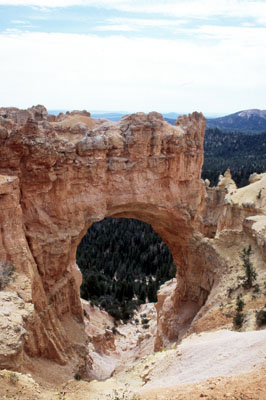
170,117
247,121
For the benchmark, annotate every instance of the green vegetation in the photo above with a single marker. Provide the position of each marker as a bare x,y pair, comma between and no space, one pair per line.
242,153
13,378
77,376
239,317
250,272
248,280
6,272
123,263
261,317
122,394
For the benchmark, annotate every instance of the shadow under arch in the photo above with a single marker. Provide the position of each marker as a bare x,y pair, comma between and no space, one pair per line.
123,263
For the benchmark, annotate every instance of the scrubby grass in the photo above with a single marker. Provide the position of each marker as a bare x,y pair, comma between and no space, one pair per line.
6,272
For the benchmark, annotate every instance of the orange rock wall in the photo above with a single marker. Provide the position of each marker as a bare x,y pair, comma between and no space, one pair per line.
67,172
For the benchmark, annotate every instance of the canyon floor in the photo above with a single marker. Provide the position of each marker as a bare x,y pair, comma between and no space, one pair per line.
220,364
232,366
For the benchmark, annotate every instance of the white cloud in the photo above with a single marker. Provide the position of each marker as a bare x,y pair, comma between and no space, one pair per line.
87,71
18,22
178,8
142,22
118,28
242,35
136,24
12,30
200,8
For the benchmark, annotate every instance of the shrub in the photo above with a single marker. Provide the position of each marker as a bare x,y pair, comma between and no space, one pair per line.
250,272
239,303
238,320
114,330
13,378
256,288
239,317
145,326
261,317
6,272
77,376
145,321
122,394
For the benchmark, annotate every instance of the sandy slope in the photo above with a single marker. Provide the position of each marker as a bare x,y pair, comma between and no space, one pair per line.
212,365
197,359
112,353
212,354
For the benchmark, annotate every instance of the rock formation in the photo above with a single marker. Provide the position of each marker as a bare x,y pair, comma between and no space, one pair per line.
60,174
232,219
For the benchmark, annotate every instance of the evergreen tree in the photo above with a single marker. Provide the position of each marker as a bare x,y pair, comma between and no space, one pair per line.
123,263
250,272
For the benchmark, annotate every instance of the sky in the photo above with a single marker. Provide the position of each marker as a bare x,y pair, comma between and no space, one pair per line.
130,55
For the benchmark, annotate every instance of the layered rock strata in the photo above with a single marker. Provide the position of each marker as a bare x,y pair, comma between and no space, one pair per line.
232,219
58,176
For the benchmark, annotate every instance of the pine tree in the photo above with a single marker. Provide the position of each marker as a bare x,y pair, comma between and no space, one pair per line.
250,272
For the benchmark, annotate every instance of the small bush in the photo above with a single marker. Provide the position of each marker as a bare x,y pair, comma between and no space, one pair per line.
145,326
239,317
256,288
13,378
145,321
261,317
228,315
250,272
239,303
238,320
6,272
77,376
114,330
122,395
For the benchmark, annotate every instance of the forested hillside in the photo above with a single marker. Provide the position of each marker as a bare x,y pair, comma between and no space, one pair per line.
248,121
123,263
242,153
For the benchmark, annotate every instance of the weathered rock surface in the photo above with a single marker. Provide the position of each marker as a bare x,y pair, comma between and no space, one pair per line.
232,219
114,348
60,174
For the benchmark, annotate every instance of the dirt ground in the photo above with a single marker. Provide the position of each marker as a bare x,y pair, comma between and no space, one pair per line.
212,365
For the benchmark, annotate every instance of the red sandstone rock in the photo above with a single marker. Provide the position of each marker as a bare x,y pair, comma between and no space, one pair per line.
59,175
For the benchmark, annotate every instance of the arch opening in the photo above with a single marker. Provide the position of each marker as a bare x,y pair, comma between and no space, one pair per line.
123,263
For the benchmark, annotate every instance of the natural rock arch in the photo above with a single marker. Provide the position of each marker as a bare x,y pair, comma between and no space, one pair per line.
59,175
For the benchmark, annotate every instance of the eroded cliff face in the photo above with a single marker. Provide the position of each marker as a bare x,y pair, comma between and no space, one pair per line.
58,176
231,219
